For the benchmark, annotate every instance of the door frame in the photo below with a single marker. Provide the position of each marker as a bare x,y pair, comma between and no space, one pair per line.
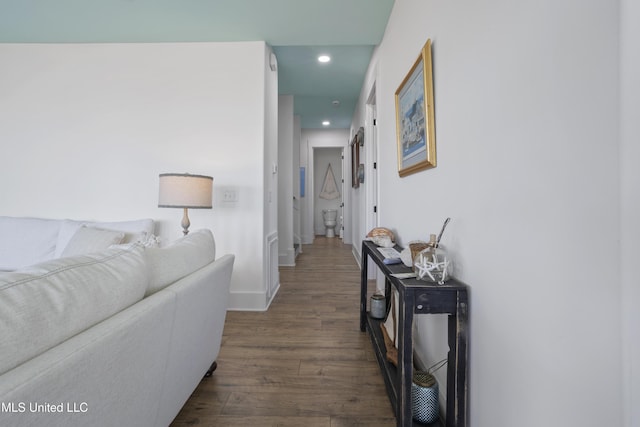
330,142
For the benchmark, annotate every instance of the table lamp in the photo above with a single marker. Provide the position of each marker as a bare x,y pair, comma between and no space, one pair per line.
186,191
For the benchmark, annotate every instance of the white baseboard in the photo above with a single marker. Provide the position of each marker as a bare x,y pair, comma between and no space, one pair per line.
251,301
288,258
248,301
275,292
357,256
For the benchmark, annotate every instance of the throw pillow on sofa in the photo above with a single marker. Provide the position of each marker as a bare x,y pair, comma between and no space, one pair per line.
26,241
134,230
48,303
89,239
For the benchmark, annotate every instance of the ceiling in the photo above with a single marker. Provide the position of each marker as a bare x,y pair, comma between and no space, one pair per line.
298,31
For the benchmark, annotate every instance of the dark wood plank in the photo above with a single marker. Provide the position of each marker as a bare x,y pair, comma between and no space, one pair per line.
304,362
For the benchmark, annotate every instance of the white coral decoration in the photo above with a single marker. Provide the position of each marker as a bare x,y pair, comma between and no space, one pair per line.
149,240
384,241
431,266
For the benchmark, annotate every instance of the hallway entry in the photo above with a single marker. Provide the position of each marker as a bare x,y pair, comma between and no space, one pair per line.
304,362
327,173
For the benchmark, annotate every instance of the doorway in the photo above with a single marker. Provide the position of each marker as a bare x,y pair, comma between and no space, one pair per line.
328,189
371,160
312,142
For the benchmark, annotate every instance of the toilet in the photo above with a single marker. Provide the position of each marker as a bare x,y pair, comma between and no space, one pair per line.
329,216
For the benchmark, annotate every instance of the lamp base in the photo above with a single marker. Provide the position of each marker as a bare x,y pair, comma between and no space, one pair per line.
185,222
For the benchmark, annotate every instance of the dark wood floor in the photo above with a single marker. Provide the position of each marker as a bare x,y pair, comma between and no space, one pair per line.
304,362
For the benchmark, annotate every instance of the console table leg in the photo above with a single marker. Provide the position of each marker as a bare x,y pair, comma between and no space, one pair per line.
405,356
363,288
457,366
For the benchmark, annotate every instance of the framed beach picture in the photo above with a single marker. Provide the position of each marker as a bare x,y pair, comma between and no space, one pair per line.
415,122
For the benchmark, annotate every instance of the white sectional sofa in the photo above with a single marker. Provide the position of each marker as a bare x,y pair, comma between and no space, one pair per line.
115,337
28,241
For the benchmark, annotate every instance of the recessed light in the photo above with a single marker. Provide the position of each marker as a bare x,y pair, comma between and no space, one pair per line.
335,103
326,123
324,58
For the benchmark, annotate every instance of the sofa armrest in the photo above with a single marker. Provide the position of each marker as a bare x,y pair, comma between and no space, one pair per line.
201,308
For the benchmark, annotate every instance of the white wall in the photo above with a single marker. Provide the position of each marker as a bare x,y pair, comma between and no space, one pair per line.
311,139
527,132
285,181
297,135
630,189
358,210
260,299
87,128
323,157
365,197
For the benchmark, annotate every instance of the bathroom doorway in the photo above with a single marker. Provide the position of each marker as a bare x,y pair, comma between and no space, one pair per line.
328,191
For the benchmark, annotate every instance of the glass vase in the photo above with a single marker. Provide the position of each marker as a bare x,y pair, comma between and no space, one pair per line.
433,265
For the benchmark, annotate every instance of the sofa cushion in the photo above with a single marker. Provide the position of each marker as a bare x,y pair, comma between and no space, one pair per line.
134,230
175,261
90,239
48,303
26,241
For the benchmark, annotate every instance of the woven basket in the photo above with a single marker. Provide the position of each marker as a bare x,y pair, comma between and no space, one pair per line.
424,397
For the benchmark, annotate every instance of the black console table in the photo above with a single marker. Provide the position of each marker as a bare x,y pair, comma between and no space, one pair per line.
418,297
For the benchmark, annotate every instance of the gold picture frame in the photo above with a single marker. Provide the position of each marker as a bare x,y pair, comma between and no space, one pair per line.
355,162
415,117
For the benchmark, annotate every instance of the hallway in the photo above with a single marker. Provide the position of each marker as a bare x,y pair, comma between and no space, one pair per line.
304,362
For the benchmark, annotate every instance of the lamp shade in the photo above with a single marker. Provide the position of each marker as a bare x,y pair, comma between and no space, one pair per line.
183,190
